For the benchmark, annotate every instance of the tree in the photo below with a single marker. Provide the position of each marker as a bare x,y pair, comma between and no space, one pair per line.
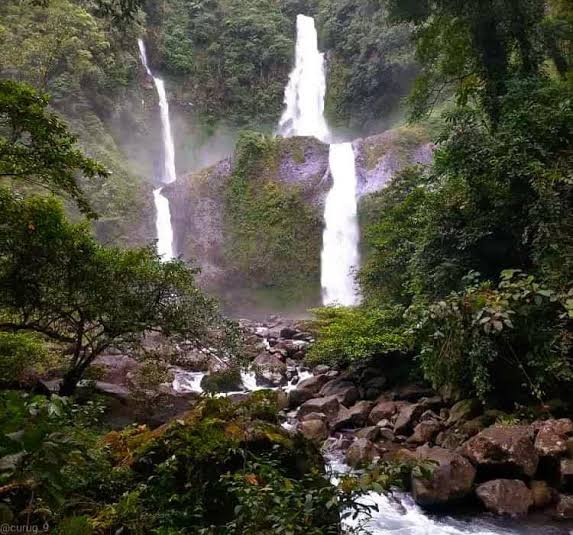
55,279
36,146
474,46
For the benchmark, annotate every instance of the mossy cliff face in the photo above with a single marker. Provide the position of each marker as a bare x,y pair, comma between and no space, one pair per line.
253,222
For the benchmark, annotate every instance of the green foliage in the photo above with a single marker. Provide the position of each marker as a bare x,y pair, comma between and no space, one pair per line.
20,353
268,224
348,335
228,380
370,63
35,146
510,342
58,281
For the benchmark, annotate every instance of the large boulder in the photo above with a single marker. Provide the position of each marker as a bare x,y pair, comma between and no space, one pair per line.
564,507
306,389
315,430
552,436
329,406
505,497
360,452
450,479
425,432
466,409
407,418
412,392
270,370
543,495
343,389
503,451
385,410
354,417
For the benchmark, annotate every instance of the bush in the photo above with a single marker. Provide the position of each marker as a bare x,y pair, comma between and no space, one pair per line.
20,353
228,380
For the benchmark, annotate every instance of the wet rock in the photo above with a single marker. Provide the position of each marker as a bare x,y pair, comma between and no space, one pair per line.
451,439
314,416
386,434
407,418
288,333
475,425
564,507
291,347
371,433
464,410
329,406
384,410
505,451
306,389
425,432
343,389
411,393
315,430
321,369
355,416
430,415
360,452
505,497
542,494
373,387
112,390
566,474
552,436
270,370
450,478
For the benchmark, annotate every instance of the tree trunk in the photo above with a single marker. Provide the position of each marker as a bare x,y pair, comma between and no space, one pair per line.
73,377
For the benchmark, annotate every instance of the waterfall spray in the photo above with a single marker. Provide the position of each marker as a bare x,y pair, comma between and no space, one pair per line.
304,116
163,213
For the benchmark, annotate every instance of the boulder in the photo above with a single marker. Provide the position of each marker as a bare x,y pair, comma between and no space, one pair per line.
306,389
386,434
505,497
451,439
355,416
384,410
450,479
360,452
552,436
270,370
373,387
314,416
503,451
321,369
564,507
343,389
425,432
542,494
566,474
411,392
288,333
371,433
466,409
315,430
407,418
329,406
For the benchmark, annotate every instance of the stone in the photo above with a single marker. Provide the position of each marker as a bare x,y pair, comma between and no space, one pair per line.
407,418
412,392
450,478
384,410
329,406
321,369
288,333
386,434
503,451
361,451
355,416
306,390
505,496
270,370
112,390
430,415
466,409
552,436
343,389
564,507
314,416
315,430
566,474
451,439
371,433
475,425
425,432
542,494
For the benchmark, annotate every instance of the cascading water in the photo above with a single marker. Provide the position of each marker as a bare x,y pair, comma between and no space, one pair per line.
304,116
163,213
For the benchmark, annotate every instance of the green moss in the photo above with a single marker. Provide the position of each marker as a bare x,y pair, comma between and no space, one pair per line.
223,381
272,236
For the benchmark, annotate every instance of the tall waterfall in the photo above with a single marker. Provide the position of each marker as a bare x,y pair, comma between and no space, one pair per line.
304,116
163,213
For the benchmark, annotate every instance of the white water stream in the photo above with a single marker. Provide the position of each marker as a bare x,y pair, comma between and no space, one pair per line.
304,116
163,213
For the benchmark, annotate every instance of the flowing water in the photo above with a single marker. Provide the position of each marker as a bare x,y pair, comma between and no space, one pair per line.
162,210
304,116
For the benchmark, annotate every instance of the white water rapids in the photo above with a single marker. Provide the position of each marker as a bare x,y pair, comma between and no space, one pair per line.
163,213
304,116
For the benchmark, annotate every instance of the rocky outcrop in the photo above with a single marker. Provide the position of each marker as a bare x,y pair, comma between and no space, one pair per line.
552,436
361,451
503,451
344,390
505,497
449,478
270,370
306,389
329,406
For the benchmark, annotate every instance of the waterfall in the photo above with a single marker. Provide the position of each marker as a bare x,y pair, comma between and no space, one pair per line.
163,213
304,116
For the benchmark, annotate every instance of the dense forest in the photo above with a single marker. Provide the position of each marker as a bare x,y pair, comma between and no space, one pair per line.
133,399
